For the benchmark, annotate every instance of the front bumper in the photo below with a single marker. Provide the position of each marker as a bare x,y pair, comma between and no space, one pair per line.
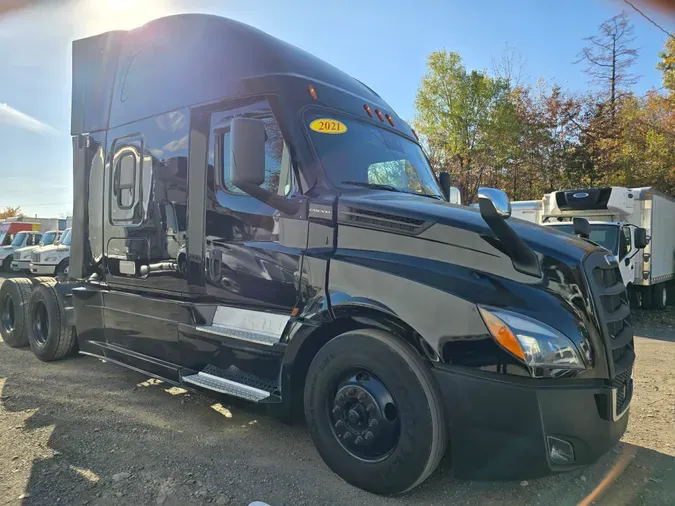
43,269
499,425
21,265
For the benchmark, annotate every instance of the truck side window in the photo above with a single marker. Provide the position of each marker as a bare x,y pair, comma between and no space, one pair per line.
278,173
126,191
125,177
624,245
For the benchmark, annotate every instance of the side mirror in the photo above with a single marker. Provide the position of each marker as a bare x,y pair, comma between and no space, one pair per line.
493,202
581,227
247,152
444,180
640,238
455,196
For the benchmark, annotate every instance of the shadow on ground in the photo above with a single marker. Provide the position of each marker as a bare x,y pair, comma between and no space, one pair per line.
86,432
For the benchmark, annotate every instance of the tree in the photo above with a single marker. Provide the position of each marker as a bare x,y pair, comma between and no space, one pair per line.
667,65
609,57
456,113
10,212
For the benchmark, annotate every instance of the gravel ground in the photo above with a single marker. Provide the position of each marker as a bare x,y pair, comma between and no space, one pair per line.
84,432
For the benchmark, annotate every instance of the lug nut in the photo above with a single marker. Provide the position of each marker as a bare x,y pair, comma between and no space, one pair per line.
370,408
341,398
359,440
369,436
351,392
339,424
336,409
348,435
372,423
361,397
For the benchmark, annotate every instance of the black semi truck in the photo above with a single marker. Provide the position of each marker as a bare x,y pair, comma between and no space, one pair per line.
251,221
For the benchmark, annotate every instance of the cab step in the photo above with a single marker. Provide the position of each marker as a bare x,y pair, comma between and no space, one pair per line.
232,381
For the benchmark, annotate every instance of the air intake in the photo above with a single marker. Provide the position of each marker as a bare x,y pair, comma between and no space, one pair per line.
382,221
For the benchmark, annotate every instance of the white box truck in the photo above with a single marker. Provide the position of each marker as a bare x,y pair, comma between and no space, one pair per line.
617,216
528,210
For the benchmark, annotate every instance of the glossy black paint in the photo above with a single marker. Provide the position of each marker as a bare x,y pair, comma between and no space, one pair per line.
160,240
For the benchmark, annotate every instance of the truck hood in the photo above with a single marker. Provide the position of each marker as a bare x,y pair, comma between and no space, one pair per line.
25,249
543,240
53,248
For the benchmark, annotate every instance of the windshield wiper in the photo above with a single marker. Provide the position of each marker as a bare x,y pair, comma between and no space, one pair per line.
387,187
376,186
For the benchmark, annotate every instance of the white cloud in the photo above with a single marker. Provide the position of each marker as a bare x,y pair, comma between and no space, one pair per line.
178,145
14,117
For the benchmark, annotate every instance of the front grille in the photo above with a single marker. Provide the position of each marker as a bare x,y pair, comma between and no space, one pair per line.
613,313
16,256
35,257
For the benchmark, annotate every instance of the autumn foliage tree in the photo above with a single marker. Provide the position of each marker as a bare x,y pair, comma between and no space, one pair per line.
10,212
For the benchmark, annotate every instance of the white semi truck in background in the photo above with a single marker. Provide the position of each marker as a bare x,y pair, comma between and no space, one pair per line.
620,220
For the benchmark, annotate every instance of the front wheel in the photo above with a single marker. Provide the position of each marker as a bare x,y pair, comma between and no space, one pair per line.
660,296
374,412
62,268
7,264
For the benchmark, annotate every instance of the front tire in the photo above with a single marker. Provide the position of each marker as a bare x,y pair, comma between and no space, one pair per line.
48,336
62,268
367,375
660,296
7,264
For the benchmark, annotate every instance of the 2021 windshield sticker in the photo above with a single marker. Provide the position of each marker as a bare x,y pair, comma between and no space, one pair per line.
328,126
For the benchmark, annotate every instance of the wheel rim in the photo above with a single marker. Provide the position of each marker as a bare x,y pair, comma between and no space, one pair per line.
7,313
664,297
40,323
364,416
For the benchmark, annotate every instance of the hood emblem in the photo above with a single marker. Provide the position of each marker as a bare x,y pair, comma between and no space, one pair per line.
581,195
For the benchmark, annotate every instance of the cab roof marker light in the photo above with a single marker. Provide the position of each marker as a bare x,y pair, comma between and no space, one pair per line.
379,115
368,110
312,92
389,119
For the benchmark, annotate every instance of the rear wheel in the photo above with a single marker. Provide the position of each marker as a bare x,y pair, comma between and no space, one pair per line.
14,315
374,412
49,337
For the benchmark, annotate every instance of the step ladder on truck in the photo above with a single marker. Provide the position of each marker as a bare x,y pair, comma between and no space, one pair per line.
272,230
637,225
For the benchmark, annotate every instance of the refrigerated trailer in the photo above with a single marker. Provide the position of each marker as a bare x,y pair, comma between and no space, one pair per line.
251,221
618,216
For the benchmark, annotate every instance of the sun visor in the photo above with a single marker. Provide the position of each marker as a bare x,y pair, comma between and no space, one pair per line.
94,69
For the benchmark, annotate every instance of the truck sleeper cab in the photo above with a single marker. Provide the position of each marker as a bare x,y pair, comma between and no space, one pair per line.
273,231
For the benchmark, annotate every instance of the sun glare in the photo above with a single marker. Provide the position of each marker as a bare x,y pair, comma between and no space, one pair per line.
126,14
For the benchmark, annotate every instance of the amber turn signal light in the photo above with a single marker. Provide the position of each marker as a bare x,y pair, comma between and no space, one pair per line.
502,334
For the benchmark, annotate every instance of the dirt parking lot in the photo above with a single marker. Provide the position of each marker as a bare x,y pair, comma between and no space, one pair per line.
84,432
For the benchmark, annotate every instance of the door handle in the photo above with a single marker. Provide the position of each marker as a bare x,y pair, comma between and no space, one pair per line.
627,261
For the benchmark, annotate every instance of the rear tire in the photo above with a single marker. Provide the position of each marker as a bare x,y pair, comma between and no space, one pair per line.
374,360
14,313
49,337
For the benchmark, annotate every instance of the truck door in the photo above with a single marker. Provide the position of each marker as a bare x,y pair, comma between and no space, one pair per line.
626,251
252,253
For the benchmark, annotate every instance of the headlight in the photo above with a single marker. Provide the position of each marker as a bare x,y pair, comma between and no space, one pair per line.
50,259
536,344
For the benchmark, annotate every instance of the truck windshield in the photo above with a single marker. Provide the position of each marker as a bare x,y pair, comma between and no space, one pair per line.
48,239
65,240
605,235
359,154
18,240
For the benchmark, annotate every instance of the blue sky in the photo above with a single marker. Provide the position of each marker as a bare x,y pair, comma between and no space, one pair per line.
384,43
